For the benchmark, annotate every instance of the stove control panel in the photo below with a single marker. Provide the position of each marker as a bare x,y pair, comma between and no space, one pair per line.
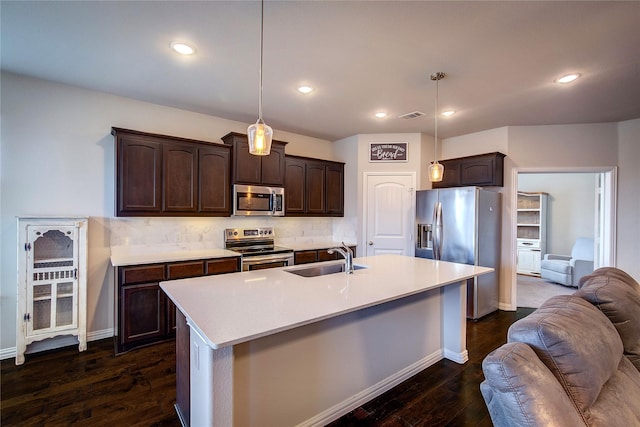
248,233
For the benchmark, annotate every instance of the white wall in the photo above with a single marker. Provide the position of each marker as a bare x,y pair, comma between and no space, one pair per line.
628,243
57,158
571,209
420,152
556,146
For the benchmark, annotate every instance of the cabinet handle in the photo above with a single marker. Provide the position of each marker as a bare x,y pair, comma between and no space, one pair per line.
27,247
370,243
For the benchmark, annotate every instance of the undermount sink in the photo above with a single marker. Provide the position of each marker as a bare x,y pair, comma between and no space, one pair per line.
321,270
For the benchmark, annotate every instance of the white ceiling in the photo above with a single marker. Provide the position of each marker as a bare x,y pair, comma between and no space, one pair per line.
361,56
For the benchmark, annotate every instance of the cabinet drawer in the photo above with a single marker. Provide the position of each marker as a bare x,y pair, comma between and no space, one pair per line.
183,270
141,274
303,257
223,265
324,255
528,243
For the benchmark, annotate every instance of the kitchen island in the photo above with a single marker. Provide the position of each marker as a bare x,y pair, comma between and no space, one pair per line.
269,347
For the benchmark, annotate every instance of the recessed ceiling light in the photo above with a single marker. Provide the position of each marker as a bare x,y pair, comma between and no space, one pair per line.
182,48
381,114
448,113
568,78
305,89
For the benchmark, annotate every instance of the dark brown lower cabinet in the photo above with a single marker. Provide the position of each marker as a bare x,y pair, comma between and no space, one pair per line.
145,314
317,255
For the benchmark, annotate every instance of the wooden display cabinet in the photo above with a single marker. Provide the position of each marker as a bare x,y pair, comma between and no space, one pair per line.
52,282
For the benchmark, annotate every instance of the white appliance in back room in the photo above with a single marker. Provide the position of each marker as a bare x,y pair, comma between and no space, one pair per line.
463,225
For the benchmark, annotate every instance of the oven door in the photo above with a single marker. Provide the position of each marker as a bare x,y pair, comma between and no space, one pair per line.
261,262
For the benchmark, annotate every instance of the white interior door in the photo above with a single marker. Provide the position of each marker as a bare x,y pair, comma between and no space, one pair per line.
389,213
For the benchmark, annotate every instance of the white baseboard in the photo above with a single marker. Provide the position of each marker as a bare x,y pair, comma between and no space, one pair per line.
359,399
8,353
460,358
100,335
506,307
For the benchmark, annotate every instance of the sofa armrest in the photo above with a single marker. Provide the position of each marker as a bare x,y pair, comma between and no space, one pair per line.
519,390
580,268
558,257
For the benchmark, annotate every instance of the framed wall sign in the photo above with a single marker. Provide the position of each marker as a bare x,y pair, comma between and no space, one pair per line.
388,151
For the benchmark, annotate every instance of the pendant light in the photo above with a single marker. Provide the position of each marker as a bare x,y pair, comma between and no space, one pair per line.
259,133
436,170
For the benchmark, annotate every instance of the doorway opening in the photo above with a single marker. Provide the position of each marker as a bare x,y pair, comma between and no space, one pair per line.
600,220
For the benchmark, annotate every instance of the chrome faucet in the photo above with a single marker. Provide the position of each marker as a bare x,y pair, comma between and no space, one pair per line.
347,253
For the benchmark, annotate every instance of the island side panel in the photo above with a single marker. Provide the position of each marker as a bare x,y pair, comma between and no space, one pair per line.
454,322
211,388
313,374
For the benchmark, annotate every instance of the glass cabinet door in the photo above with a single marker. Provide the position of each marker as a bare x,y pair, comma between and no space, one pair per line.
52,274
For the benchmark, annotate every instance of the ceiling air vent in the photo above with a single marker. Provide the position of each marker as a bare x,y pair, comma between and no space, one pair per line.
411,115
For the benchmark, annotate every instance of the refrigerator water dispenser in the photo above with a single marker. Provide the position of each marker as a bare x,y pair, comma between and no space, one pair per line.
425,236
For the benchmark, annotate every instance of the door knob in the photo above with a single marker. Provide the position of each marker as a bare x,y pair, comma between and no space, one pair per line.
370,243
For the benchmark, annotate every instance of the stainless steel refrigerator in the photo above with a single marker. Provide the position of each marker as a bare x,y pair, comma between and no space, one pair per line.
463,225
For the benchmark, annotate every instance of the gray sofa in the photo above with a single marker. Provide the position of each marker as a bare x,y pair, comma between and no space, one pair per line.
575,361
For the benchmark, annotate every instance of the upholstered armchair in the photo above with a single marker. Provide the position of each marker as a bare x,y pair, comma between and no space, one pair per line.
567,270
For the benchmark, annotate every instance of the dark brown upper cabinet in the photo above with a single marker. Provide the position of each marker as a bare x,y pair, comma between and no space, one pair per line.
482,170
159,175
314,187
180,177
138,175
259,170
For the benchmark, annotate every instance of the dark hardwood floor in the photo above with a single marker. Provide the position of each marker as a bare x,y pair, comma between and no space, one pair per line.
96,388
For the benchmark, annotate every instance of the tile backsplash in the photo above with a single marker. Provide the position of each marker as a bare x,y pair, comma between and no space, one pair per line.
210,231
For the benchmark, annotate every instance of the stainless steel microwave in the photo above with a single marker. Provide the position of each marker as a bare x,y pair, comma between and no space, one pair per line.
257,200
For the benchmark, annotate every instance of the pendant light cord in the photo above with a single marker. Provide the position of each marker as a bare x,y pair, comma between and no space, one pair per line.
261,55
435,145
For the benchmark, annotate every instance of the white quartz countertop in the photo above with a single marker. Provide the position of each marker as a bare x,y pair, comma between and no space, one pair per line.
233,308
149,254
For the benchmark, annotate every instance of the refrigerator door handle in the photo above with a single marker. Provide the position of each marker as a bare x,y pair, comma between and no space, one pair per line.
437,231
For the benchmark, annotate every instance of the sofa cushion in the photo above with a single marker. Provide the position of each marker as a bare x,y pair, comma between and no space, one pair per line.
576,342
519,390
617,295
559,266
619,400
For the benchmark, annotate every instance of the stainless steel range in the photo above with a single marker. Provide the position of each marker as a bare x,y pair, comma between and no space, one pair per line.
257,247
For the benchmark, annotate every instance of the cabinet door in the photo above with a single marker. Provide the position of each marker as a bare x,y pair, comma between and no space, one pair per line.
214,180
294,186
180,177
139,185
52,286
529,261
335,189
315,190
451,177
170,317
247,168
480,171
142,315
273,166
